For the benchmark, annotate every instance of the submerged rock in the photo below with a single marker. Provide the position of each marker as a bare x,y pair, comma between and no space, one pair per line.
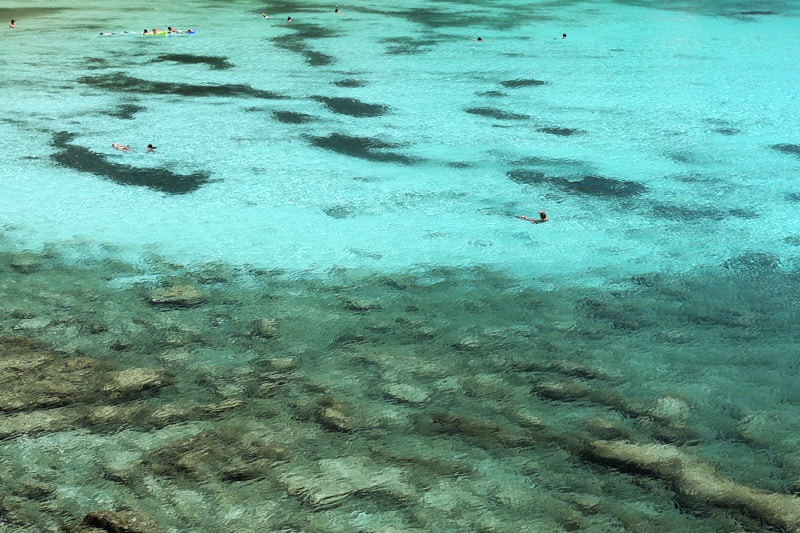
121,522
405,393
265,328
698,481
335,480
360,305
32,378
334,418
24,263
561,390
177,296
670,409
134,380
224,453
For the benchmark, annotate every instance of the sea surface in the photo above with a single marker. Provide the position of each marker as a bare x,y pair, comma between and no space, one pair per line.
313,307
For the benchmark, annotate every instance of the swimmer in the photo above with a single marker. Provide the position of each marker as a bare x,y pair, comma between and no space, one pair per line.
563,35
122,147
145,32
150,148
542,218
337,11
288,19
480,40
12,24
265,15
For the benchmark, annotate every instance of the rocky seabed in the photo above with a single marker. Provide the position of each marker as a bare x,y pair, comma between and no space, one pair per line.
213,400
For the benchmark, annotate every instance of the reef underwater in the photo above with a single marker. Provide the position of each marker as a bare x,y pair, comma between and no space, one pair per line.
165,397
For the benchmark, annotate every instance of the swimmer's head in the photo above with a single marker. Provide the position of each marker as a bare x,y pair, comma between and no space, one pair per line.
542,214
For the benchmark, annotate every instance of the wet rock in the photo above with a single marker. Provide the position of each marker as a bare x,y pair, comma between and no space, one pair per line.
177,296
266,328
121,522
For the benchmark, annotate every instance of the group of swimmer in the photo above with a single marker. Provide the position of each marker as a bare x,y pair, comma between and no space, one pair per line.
563,36
127,147
170,29
289,19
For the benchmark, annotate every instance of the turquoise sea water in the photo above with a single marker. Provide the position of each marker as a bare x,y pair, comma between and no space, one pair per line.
351,180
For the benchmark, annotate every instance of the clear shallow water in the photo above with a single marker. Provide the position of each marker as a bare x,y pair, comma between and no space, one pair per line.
381,155
682,105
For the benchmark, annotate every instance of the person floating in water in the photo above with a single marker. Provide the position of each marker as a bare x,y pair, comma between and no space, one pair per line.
480,40
288,19
542,218
265,15
12,24
122,147
150,148
337,11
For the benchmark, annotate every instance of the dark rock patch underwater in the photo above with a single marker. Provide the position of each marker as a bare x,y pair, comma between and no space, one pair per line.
367,148
499,114
159,179
213,62
352,106
791,149
124,83
589,185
